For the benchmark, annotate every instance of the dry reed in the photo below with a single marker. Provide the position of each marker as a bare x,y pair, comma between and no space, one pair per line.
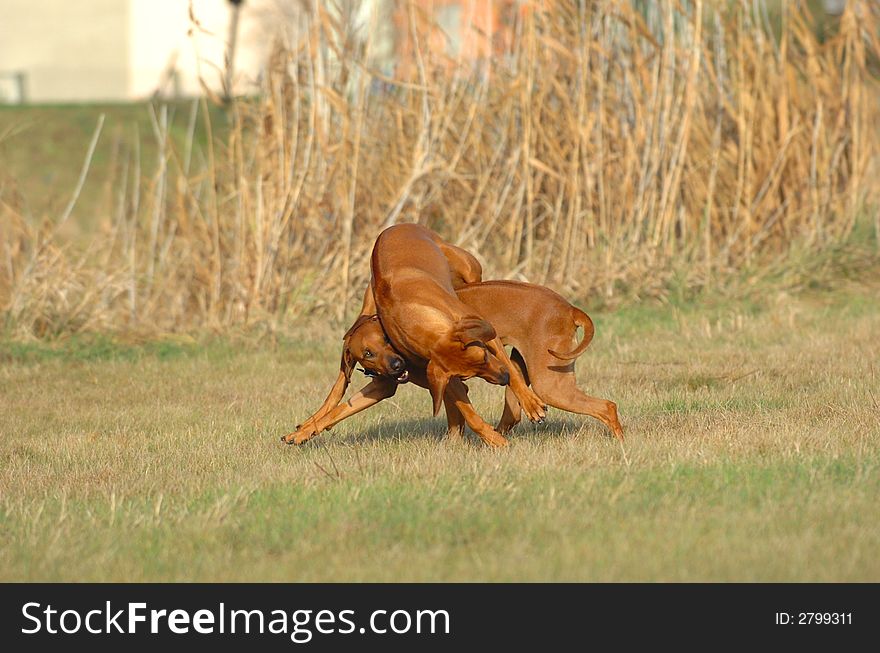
614,146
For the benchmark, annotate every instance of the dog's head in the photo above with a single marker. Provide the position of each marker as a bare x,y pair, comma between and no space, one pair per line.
366,344
464,352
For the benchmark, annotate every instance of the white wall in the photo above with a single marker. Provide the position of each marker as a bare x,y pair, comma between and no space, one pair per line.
162,34
69,50
93,50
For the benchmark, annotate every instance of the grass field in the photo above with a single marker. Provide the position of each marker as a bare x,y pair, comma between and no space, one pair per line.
709,170
752,454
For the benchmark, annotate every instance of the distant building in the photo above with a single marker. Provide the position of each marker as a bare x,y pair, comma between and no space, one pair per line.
457,30
91,50
119,50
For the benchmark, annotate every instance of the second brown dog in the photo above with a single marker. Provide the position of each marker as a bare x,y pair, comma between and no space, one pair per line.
537,322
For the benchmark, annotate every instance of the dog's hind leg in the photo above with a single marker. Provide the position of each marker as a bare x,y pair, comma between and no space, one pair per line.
560,391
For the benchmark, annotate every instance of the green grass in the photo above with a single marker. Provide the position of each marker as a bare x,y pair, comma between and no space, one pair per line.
752,454
43,148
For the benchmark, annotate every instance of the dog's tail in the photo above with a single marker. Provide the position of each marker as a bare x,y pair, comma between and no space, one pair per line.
581,319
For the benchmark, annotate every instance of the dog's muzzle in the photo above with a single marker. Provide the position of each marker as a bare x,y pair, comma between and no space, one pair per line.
401,378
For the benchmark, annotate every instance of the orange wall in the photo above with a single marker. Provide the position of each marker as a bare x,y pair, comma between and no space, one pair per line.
485,28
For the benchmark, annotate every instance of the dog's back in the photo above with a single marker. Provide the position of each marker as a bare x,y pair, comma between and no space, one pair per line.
405,254
531,318
414,288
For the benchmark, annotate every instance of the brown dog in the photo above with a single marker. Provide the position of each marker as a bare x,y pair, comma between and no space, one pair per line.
539,324
535,321
414,274
464,269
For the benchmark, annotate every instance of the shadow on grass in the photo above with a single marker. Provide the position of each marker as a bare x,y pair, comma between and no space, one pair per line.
412,429
558,426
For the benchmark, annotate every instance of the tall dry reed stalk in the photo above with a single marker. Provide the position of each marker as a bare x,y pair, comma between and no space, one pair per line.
614,145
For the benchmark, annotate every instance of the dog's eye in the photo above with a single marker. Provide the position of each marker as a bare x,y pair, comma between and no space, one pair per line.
368,353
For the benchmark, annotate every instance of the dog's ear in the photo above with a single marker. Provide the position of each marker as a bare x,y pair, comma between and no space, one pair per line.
438,379
358,323
473,330
346,365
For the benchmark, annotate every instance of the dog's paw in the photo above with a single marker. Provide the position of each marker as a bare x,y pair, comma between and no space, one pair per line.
295,439
494,439
300,436
533,406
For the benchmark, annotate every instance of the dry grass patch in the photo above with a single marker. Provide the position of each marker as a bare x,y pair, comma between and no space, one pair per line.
753,453
616,150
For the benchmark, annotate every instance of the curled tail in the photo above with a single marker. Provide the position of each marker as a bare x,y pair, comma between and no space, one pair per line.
581,319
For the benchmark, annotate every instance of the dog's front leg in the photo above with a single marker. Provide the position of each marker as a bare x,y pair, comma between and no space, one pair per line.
337,392
456,394
531,403
370,395
455,421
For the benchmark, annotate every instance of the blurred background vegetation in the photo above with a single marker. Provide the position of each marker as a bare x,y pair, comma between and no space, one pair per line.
616,151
